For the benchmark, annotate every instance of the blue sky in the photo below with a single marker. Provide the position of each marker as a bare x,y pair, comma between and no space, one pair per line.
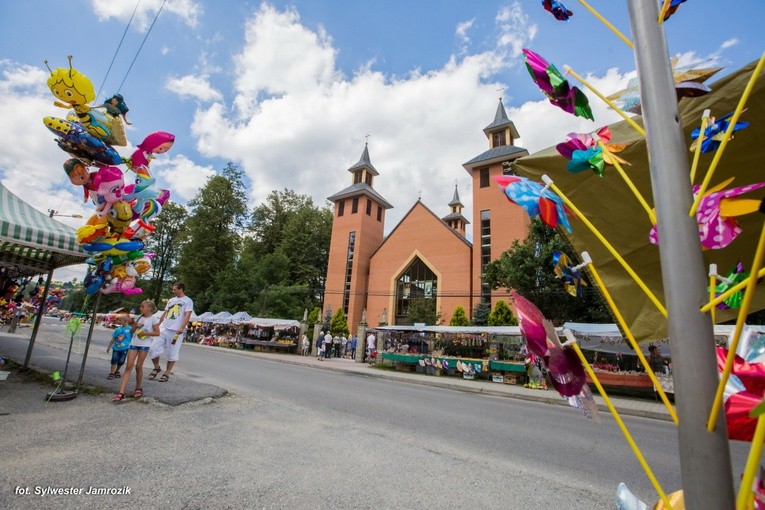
288,90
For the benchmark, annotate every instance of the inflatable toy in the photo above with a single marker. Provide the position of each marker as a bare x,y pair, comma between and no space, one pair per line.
75,140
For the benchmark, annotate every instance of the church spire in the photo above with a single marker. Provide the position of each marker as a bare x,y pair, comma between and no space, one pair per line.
455,220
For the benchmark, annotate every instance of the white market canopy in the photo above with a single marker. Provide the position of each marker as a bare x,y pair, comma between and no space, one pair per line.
240,318
203,317
245,318
219,318
32,242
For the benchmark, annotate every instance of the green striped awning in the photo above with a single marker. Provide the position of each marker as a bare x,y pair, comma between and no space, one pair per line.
31,241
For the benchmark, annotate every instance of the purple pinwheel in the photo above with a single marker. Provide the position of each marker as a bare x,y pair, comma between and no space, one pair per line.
715,132
557,9
557,89
717,212
535,199
583,152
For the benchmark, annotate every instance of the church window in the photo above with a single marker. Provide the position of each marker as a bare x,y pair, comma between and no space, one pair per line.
356,177
368,179
498,139
369,207
348,272
484,177
379,213
355,205
341,207
485,251
417,282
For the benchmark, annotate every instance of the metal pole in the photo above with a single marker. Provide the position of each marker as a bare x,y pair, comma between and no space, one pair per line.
705,464
40,311
87,342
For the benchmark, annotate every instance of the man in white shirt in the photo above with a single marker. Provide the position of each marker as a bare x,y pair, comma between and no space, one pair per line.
370,346
172,326
328,345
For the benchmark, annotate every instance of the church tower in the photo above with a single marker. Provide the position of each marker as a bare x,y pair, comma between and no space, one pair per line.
357,231
455,219
496,222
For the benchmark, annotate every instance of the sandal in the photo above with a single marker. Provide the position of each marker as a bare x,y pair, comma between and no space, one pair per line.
110,376
138,393
117,375
154,373
164,378
119,397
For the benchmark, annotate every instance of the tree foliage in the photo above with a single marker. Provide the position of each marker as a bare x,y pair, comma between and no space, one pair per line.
459,318
164,242
339,324
527,268
502,315
481,313
423,310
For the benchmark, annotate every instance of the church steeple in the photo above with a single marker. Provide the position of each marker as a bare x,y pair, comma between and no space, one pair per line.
363,170
455,220
501,129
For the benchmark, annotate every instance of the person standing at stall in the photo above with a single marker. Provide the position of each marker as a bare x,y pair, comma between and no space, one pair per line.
144,327
172,326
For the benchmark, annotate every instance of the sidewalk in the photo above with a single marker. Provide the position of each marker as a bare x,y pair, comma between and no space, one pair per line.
625,406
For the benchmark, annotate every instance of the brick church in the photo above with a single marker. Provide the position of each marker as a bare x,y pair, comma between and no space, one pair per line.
424,256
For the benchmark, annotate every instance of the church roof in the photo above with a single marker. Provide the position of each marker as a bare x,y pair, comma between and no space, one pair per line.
455,216
456,198
496,155
500,121
364,162
360,188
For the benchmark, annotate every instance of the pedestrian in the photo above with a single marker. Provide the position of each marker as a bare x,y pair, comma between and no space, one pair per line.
344,347
172,326
328,345
119,345
319,345
306,344
370,346
144,327
656,361
354,341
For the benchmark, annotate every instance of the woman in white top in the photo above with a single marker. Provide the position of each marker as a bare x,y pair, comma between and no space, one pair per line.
144,327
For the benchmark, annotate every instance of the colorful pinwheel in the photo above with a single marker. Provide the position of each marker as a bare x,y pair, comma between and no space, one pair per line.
557,89
583,152
567,271
535,199
689,82
672,8
735,276
743,393
715,132
717,212
557,9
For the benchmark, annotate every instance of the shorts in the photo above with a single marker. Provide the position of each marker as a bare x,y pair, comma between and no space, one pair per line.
118,357
139,348
163,344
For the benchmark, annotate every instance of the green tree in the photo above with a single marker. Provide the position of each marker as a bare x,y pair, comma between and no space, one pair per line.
527,268
339,324
213,236
459,318
314,316
481,313
164,242
423,310
502,315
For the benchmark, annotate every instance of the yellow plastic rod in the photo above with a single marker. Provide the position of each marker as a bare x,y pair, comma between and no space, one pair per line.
609,247
712,289
752,464
725,295
630,184
630,337
663,11
742,313
699,140
610,103
623,427
728,132
606,23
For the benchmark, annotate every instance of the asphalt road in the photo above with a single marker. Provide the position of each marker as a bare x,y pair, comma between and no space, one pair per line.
296,437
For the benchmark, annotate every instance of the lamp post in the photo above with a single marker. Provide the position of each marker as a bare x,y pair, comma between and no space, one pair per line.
52,213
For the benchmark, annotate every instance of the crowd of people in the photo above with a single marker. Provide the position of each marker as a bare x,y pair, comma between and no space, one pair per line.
328,346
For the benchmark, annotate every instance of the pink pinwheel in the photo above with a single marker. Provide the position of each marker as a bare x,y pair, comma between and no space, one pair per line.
535,199
557,89
717,212
583,152
742,394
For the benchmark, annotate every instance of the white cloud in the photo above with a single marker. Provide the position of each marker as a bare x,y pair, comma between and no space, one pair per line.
164,50
181,176
194,87
188,10
515,29
462,32
728,43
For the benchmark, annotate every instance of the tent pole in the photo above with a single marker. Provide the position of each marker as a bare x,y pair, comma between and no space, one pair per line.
40,311
87,341
705,464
